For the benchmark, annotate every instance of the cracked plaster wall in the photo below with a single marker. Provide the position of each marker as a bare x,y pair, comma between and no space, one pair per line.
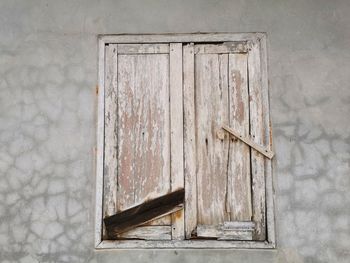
48,71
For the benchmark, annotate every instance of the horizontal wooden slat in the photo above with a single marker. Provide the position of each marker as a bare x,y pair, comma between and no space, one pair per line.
222,233
186,244
143,48
247,225
236,235
269,154
148,233
177,38
228,47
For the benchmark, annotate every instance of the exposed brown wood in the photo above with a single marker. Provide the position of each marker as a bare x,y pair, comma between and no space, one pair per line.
138,215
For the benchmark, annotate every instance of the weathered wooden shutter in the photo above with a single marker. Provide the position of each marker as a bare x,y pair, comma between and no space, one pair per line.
224,177
143,132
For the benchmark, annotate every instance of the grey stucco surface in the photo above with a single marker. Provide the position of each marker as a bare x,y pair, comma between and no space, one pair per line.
48,73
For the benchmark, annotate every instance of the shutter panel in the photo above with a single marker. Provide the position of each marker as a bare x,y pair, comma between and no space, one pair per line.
218,167
140,129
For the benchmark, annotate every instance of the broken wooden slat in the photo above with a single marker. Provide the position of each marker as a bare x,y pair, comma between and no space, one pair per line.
143,48
238,201
148,233
228,47
235,230
269,154
141,214
189,140
176,134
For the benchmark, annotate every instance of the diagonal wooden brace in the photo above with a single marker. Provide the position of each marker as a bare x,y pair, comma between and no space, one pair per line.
144,213
269,154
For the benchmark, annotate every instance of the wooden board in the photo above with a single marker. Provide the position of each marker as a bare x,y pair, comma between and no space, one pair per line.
143,49
148,233
143,213
257,131
237,135
269,193
176,134
239,186
110,133
211,102
143,135
234,230
225,48
189,141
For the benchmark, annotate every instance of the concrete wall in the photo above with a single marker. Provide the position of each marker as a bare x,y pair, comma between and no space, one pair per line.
48,72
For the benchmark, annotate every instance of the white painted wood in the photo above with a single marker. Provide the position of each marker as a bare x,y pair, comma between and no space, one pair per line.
143,49
176,134
111,131
264,151
236,235
252,38
268,137
144,130
211,104
180,38
225,48
257,131
185,244
238,201
149,233
241,225
189,141
100,145
233,231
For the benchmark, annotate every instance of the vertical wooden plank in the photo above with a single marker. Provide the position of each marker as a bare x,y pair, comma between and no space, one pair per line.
257,131
100,144
268,140
144,129
239,185
110,138
176,134
212,152
189,140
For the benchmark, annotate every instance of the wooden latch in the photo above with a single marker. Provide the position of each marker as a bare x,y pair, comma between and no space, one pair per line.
269,154
143,213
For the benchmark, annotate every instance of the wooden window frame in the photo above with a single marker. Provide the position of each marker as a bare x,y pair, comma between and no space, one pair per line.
254,41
